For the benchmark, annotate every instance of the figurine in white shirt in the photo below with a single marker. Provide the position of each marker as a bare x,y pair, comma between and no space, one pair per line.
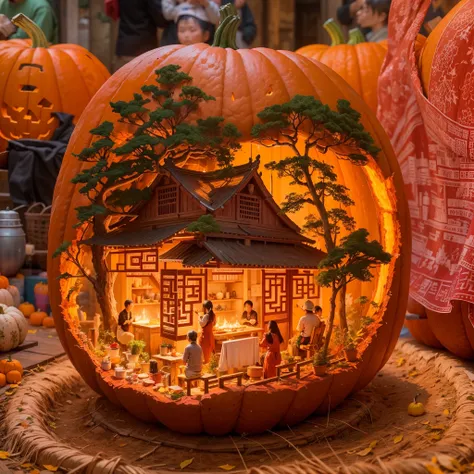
306,324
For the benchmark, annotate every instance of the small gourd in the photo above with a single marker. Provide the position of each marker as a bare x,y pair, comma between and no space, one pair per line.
48,322
416,408
7,365
36,318
3,380
4,283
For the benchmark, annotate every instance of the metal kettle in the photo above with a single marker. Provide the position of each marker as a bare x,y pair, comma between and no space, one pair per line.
12,243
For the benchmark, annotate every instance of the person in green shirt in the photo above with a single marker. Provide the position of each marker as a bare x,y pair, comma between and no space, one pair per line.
40,11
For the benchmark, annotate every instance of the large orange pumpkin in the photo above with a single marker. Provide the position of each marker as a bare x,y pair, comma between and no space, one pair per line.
37,79
244,82
358,62
447,65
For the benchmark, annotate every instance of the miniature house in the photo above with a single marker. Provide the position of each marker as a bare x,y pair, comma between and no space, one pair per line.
256,254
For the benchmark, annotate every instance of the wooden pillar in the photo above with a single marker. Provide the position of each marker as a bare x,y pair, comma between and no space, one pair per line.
69,21
100,32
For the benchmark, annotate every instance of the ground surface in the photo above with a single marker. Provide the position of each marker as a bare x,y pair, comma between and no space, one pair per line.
387,424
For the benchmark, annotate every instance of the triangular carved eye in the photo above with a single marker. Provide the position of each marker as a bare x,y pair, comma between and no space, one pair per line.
45,103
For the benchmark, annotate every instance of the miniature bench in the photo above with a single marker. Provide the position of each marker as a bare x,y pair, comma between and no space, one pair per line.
226,378
206,378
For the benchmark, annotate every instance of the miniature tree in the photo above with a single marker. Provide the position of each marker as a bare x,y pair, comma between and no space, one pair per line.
122,174
311,129
351,260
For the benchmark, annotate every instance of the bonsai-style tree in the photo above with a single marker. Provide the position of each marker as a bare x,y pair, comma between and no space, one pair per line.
310,129
351,260
123,167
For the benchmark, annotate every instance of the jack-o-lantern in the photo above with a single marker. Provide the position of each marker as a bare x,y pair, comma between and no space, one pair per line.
37,80
243,83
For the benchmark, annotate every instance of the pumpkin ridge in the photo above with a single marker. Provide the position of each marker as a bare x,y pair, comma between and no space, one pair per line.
38,38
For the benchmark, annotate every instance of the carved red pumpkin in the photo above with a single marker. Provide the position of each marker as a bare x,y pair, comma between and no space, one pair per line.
244,82
37,79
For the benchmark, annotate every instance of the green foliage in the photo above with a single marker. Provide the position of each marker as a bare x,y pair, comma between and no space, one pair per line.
206,224
106,338
136,346
321,357
352,260
144,357
62,248
213,364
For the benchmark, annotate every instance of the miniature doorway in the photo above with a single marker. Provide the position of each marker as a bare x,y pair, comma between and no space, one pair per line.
182,294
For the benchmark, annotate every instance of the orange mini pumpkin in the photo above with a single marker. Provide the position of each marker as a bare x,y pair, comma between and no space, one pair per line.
39,79
4,283
27,309
41,288
3,380
6,365
36,318
48,322
14,376
243,83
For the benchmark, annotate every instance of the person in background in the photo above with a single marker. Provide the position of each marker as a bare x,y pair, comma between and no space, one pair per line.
208,9
207,323
137,34
40,11
346,13
271,341
247,31
374,15
249,316
192,356
193,26
125,320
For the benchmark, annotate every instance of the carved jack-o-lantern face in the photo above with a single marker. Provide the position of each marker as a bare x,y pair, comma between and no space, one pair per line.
37,80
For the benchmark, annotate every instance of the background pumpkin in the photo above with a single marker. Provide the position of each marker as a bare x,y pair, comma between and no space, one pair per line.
4,283
48,322
27,309
6,365
446,64
243,82
13,328
28,70
3,380
36,318
13,376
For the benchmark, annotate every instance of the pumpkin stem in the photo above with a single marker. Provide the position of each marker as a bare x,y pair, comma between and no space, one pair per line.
356,37
36,34
334,32
2,310
226,33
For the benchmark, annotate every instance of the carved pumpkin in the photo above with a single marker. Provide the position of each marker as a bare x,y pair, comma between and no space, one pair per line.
27,309
358,62
7,365
244,82
13,328
36,318
38,80
446,64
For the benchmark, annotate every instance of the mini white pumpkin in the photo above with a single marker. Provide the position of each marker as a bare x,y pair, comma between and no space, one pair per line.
13,290
13,327
6,298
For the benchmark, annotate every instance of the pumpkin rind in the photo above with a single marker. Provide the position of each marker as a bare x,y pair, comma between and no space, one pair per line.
3,380
13,290
28,99
27,309
36,318
231,77
6,365
13,376
4,283
6,298
48,322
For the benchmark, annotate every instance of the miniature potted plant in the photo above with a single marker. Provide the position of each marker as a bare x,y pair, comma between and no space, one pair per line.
114,350
350,347
320,362
145,362
213,364
164,349
136,348
289,359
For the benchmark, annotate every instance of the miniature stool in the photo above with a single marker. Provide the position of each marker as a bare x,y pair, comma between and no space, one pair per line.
254,372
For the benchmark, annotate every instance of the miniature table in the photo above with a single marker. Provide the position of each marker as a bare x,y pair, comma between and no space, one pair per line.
173,362
239,353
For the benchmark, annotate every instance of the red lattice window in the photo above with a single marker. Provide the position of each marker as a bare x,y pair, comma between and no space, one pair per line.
249,208
167,198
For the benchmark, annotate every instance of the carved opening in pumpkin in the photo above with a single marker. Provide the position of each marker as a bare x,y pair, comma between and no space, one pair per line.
25,65
28,88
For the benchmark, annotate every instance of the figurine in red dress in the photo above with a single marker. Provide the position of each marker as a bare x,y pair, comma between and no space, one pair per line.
206,338
271,341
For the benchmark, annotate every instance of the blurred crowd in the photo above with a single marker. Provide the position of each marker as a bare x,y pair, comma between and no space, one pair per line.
191,21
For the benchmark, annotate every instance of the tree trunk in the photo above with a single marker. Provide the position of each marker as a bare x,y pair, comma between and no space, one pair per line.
342,308
332,314
104,288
